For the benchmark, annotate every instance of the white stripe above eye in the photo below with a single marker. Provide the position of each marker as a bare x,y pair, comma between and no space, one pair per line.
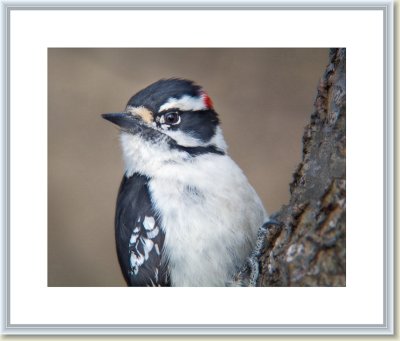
185,103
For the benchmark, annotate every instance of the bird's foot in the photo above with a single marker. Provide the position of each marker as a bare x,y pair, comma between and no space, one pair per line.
261,243
250,272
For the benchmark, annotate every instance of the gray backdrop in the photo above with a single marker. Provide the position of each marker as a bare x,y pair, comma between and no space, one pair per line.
264,98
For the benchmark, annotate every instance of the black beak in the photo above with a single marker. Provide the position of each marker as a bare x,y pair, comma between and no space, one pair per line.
122,119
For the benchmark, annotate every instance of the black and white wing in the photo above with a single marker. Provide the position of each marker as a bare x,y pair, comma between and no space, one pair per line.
138,235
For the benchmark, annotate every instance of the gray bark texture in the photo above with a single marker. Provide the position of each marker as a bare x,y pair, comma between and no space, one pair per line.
306,245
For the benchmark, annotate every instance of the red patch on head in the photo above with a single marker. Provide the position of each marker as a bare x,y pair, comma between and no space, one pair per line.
207,100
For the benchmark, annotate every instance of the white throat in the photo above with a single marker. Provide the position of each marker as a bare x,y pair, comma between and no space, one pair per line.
146,157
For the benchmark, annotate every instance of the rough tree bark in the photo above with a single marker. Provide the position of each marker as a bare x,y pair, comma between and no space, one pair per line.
306,246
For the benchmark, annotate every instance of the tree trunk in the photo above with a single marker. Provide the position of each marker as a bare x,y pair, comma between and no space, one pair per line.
306,246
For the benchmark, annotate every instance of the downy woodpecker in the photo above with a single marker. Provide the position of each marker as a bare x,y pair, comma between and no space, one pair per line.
186,214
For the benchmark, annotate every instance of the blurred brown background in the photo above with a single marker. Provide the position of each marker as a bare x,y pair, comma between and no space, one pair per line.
264,98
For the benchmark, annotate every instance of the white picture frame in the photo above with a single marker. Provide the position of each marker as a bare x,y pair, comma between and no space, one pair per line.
33,308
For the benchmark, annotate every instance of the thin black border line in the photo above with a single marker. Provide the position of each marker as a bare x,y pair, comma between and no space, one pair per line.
386,7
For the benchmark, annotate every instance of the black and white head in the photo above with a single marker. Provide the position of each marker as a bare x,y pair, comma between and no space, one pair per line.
175,114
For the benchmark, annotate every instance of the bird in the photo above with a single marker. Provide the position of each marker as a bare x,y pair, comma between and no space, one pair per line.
186,215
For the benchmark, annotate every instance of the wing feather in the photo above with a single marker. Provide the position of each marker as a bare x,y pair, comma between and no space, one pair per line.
138,235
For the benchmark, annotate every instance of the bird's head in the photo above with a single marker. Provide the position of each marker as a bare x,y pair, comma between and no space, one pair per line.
173,111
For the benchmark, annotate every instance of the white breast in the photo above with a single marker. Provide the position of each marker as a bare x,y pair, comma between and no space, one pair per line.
210,215
209,212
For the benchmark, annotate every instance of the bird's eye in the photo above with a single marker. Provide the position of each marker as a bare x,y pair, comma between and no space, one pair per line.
172,118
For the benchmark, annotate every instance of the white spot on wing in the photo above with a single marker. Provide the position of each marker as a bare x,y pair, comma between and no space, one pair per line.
154,233
149,223
157,249
147,246
133,239
136,262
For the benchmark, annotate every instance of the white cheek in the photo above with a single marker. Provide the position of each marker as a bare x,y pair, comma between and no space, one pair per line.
183,139
186,140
